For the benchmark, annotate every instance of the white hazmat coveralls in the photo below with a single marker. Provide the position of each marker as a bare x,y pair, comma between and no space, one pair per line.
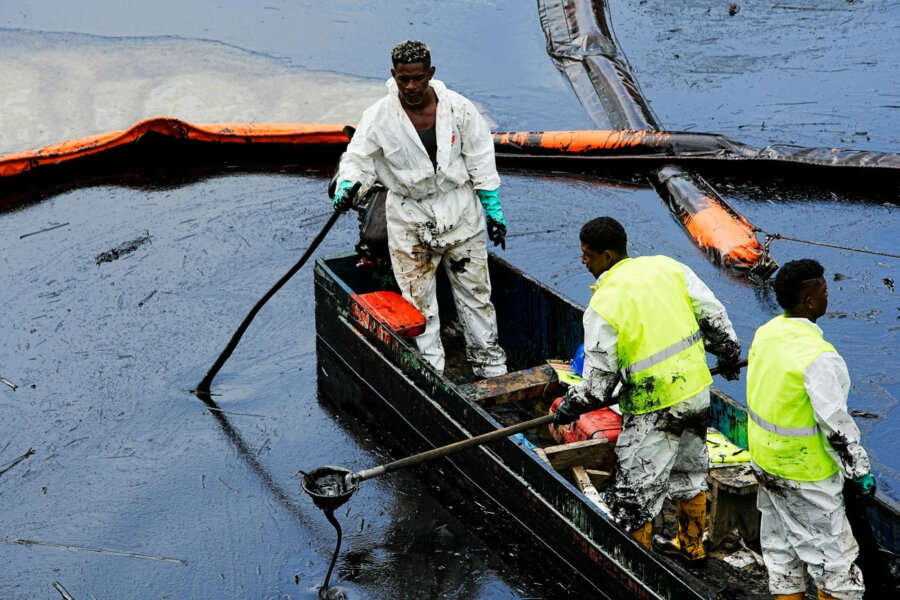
803,527
433,214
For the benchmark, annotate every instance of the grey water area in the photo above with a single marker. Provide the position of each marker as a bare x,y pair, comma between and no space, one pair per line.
136,488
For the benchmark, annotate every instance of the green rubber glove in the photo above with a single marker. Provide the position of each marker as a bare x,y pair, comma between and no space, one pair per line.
865,485
342,199
491,204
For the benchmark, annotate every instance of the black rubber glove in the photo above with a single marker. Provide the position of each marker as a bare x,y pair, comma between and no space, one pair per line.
728,368
496,232
565,413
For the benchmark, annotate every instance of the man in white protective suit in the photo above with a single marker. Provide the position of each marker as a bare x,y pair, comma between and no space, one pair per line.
434,153
803,444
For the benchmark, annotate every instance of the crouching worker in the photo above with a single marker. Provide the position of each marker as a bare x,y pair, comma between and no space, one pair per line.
803,443
434,153
645,328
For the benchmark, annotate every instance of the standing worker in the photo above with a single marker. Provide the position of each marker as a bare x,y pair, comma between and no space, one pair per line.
803,443
434,153
645,328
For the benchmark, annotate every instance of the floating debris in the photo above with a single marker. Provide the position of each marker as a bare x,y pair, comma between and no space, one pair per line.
62,591
122,249
98,550
150,295
17,461
863,414
25,235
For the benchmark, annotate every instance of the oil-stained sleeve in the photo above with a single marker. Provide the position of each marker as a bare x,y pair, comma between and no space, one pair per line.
478,149
827,383
715,326
358,161
601,358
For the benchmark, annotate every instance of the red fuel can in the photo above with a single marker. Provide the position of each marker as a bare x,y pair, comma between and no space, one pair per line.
599,423
391,310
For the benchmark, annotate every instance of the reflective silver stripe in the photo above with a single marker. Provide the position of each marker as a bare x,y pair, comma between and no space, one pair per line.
783,431
655,359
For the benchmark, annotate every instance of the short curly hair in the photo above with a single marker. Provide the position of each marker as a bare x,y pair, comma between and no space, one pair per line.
411,51
793,278
604,233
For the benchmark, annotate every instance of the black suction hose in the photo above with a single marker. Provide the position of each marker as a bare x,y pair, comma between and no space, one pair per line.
204,386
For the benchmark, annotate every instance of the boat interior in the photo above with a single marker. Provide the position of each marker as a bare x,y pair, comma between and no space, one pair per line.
541,329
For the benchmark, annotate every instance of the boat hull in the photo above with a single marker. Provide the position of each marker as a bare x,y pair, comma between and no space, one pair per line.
526,502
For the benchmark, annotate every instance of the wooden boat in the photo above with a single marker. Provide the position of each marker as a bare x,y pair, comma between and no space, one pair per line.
537,503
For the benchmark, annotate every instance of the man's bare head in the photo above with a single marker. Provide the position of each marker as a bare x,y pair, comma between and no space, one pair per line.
411,51
413,72
801,290
603,244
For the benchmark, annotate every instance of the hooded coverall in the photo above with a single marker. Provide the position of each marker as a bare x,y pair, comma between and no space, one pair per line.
804,528
433,214
661,451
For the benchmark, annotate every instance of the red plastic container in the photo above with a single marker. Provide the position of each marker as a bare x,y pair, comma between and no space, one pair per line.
599,423
389,309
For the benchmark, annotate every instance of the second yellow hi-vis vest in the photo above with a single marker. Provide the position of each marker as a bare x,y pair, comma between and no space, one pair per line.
782,433
661,355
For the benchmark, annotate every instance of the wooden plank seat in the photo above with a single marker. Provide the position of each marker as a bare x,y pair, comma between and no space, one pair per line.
732,497
528,383
565,457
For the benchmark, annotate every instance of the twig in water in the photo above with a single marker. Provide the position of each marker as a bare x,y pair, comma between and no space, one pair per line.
98,550
786,7
25,235
231,412
521,233
62,591
17,461
150,295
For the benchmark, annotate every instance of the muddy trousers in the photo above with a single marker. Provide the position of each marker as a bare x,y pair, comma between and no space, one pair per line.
465,263
804,534
660,453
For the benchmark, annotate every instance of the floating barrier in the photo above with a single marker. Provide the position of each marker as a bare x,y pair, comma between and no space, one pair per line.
721,232
222,133
581,44
684,148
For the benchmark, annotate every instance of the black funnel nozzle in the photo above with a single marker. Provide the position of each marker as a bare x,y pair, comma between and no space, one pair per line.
329,487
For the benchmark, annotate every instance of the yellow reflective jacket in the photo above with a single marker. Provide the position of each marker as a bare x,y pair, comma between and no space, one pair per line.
661,355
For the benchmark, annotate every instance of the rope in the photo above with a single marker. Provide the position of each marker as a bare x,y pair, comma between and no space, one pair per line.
778,236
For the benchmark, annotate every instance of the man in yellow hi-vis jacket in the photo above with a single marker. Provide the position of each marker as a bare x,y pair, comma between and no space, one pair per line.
644,332
803,444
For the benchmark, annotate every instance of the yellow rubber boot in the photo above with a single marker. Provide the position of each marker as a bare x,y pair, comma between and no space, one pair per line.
795,596
643,534
825,596
691,524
